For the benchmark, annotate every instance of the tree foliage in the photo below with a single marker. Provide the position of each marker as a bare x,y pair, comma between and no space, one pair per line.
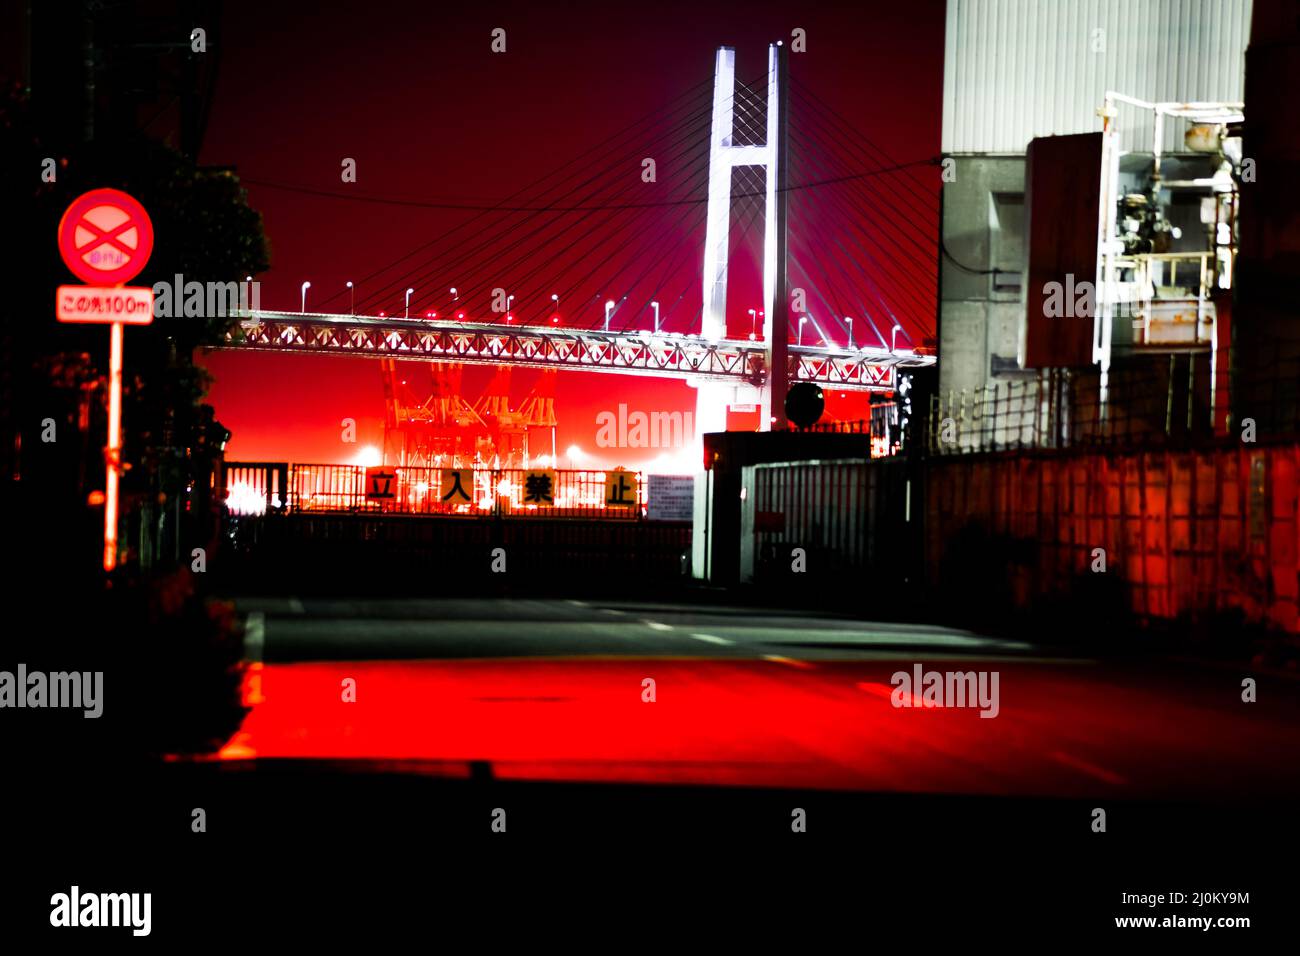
204,230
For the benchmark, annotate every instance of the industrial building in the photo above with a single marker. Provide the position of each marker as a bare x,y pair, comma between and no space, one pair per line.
1104,270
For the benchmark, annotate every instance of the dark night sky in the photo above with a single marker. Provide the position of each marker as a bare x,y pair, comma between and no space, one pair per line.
414,94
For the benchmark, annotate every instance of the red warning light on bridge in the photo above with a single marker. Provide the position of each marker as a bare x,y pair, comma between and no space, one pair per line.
105,237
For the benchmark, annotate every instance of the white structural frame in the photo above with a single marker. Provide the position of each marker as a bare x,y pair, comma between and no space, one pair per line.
1108,253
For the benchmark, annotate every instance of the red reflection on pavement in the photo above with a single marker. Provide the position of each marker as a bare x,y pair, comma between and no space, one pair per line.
1062,730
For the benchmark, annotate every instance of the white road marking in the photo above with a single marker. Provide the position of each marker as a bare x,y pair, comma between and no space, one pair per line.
778,659
656,625
879,690
576,603
254,636
295,605
711,639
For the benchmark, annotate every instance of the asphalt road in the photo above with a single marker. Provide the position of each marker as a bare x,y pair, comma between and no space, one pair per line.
561,690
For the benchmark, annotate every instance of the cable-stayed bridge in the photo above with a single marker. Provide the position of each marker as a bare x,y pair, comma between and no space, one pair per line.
740,231
664,354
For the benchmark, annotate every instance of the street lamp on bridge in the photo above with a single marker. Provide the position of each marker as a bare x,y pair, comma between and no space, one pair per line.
655,306
555,297
802,320
407,313
893,336
609,310
352,299
305,287
849,320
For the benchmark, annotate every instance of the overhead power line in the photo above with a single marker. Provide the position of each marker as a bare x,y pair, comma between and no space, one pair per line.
491,207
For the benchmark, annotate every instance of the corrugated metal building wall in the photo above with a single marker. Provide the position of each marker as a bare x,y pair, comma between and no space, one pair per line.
1016,69
1209,535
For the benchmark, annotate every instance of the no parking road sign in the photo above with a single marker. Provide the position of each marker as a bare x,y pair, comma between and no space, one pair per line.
105,238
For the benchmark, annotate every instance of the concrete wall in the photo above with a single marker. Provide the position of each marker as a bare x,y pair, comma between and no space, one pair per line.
340,554
981,315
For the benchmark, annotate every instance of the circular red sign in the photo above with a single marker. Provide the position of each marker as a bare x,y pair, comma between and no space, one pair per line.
105,237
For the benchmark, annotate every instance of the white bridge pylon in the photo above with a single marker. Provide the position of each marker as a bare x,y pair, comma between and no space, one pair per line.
712,399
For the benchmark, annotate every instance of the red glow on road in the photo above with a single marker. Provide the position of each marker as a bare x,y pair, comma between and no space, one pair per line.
1061,730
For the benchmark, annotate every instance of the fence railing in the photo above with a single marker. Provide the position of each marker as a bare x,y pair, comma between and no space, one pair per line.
1170,402
255,487
261,487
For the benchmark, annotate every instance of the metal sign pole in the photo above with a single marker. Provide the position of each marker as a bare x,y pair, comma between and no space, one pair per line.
113,454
